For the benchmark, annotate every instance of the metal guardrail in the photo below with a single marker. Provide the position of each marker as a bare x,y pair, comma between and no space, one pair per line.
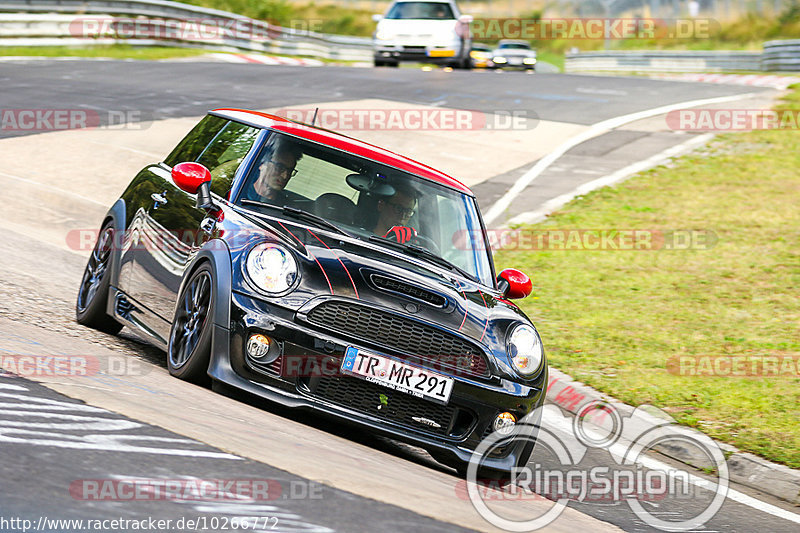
662,61
37,22
782,55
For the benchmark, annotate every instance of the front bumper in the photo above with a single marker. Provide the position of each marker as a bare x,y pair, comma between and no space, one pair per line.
514,63
446,54
307,377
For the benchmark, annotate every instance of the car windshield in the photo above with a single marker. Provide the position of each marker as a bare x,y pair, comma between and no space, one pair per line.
420,10
367,199
514,46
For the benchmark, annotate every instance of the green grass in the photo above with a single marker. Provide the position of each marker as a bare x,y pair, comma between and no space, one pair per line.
327,18
126,52
613,318
553,58
118,51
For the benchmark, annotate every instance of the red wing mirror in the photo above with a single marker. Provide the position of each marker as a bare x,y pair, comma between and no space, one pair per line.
514,284
190,176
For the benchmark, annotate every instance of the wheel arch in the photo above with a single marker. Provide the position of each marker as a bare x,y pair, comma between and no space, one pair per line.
215,253
115,214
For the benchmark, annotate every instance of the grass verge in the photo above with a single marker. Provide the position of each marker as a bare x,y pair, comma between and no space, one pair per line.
117,51
615,319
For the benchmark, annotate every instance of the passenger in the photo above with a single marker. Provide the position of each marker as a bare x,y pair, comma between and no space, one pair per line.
395,211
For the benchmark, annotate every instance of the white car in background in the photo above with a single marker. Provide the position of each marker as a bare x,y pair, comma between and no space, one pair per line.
430,31
512,53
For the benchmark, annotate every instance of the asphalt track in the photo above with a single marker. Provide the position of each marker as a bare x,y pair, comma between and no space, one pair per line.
59,181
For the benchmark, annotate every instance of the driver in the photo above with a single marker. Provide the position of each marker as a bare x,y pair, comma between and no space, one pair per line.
395,210
276,169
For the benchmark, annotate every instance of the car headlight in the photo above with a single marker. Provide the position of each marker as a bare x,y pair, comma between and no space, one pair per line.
383,35
529,61
272,268
499,59
525,350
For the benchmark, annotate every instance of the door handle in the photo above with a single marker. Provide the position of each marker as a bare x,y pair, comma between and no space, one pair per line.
159,199
207,225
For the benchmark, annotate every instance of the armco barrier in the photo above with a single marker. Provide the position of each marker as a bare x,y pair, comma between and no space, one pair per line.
782,55
46,22
662,61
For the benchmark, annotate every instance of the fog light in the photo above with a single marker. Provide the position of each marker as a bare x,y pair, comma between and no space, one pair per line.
258,346
504,423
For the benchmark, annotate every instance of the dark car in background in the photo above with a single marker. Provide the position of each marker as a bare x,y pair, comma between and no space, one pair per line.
322,273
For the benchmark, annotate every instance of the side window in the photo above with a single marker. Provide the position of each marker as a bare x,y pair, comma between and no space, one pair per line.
190,148
225,153
317,176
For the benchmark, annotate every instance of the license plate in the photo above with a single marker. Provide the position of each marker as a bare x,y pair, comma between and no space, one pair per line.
441,53
515,61
396,375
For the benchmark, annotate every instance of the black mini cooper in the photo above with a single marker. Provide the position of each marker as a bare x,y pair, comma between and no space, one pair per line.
323,273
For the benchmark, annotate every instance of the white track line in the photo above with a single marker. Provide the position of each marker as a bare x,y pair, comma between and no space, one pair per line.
51,187
532,217
599,128
619,450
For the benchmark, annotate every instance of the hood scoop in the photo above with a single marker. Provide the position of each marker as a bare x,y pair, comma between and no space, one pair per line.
402,288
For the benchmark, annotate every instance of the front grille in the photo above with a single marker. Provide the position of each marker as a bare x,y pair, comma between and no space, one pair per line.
397,286
414,49
397,334
395,406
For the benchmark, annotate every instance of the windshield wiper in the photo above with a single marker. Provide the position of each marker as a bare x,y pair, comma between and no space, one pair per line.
419,251
299,213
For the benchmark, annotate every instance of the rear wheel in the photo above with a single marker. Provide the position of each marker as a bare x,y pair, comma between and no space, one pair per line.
90,307
189,349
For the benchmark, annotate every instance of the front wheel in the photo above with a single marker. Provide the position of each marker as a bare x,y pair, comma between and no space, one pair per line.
189,349
90,307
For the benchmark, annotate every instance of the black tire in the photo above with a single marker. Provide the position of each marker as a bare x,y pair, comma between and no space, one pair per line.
189,348
90,306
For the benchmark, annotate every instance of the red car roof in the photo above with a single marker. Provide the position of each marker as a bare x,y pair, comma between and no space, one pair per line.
342,142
